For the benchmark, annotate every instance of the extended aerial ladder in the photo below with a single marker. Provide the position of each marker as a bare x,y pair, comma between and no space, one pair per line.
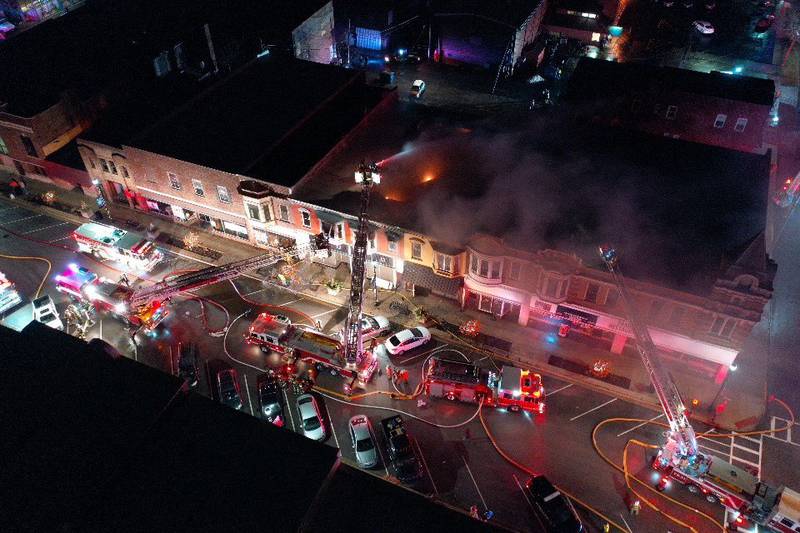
166,289
681,440
366,176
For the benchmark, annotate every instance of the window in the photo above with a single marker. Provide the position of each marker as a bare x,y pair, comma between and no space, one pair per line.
197,185
473,265
284,213
306,217
514,271
495,270
339,234
223,194
723,327
444,263
741,124
173,180
416,250
28,144
485,303
484,268
671,112
4,148
591,292
676,316
552,288
392,246
104,165
719,122
91,162
253,211
112,167
125,172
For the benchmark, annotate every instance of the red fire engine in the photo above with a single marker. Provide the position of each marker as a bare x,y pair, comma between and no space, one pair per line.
114,244
511,387
277,333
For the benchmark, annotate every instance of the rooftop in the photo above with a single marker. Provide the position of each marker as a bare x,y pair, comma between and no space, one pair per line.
675,207
595,78
96,443
249,123
511,13
82,50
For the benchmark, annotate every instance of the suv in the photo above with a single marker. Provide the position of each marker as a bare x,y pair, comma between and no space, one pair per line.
228,388
187,364
407,466
270,399
44,311
553,511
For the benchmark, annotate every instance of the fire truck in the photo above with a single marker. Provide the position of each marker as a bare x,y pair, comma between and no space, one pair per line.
114,244
277,333
146,306
513,388
679,459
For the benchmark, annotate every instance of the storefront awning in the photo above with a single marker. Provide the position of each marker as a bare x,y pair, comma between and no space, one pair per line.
427,278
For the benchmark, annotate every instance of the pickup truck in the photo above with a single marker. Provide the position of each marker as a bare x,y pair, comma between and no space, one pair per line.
402,456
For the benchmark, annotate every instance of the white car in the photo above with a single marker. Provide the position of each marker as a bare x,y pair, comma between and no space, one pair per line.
417,88
407,339
310,417
44,311
374,326
703,27
363,442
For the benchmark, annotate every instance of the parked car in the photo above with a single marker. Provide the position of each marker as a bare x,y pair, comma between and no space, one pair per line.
402,456
5,25
405,340
553,511
703,26
228,388
310,417
417,88
187,363
270,399
710,5
374,326
44,311
363,441
763,24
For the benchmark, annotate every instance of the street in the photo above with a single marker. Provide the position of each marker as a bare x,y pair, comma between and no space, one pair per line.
461,464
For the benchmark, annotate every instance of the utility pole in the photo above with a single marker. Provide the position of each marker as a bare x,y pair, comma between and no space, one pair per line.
348,42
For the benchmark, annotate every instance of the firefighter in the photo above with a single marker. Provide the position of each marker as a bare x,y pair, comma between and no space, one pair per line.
390,372
662,484
606,527
636,506
474,513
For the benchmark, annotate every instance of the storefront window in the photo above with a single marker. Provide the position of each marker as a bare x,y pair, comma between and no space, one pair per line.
485,303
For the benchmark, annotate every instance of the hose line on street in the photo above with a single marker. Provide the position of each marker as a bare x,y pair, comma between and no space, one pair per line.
33,258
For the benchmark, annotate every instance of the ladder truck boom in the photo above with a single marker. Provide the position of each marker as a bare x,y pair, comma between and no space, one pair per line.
681,431
168,288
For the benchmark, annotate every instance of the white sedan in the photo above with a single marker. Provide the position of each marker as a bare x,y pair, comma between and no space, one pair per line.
374,326
407,339
310,417
703,27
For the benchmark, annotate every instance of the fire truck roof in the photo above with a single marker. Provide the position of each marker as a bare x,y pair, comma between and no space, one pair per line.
510,378
100,232
131,241
789,506
733,476
454,371
267,323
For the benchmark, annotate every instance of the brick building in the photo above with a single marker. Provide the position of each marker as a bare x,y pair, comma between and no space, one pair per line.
716,109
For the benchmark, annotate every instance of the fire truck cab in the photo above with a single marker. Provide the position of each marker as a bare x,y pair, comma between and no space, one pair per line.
518,389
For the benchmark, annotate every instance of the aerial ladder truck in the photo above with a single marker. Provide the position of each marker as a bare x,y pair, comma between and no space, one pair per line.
145,306
740,491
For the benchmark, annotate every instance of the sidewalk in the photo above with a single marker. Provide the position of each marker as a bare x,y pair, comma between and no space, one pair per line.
531,348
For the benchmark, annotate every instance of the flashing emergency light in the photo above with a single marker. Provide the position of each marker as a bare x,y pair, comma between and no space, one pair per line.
120,308
401,51
91,291
738,70
73,267
733,367
516,393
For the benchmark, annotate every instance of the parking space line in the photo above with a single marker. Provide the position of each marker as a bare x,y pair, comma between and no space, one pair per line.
60,239
745,437
516,480
568,385
748,450
44,228
383,459
333,429
425,463
724,448
325,313
290,302
612,400
640,425
469,471
249,399
745,461
288,409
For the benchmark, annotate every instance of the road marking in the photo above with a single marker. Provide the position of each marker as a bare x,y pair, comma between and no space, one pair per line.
101,329
290,302
428,470
171,364
325,313
568,385
788,431
288,409
640,425
60,238
44,228
21,219
253,292
612,400
249,399
469,471
524,495
626,523
333,429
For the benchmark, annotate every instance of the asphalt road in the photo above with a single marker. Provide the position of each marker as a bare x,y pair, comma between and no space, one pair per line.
461,465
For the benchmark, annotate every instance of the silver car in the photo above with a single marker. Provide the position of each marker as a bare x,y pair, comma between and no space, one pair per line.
363,442
310,417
